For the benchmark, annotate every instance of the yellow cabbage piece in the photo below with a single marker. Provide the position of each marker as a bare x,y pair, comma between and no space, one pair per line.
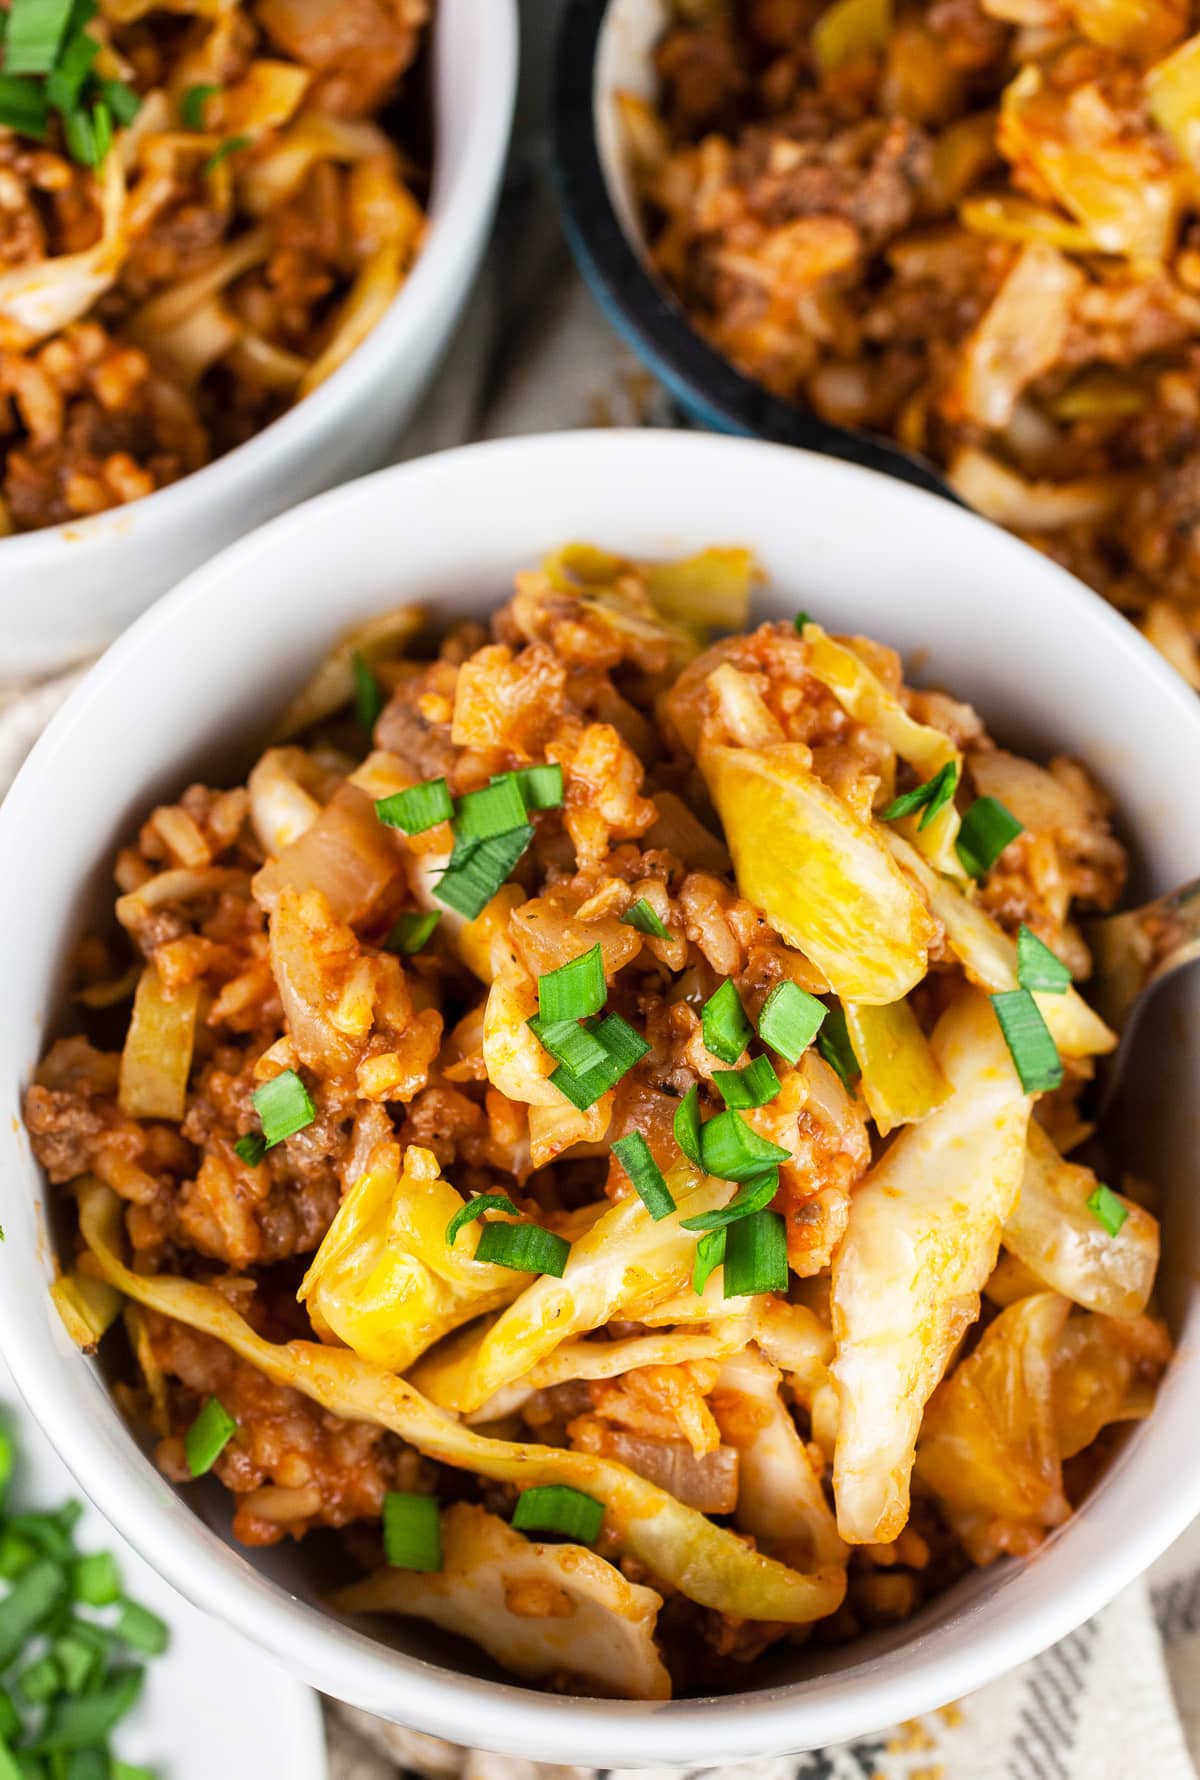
539,1610
623,1263
157,1055
1095,1381
901,1082
385,1281
1172,90
88,1307
849,30
44,296
1019,336
989,958
1011,218
331,687
705,1562
988,1444
922,1239
819,873
1052,1231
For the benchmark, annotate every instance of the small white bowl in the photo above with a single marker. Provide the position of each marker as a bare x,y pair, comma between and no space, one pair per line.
68,590
189,691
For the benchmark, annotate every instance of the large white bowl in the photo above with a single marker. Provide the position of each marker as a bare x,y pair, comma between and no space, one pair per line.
68,590
188,692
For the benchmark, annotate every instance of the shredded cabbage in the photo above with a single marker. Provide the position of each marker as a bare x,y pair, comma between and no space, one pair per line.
901,1082
157,1055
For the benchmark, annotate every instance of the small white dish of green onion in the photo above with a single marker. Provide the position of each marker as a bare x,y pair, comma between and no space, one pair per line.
105,1672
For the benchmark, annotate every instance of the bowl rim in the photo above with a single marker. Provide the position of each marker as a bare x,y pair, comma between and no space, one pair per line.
458,195
332,1654
647,315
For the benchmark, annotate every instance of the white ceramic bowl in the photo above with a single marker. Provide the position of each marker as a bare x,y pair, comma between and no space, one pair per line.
68,590
188,691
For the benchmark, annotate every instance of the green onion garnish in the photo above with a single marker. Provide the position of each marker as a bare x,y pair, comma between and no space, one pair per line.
574,991
121,100
33,1597
208,1437
801,619
419,808
469,884
1107,1209
570,1043
76,1660
97,1579
284,1107
1028,1039
557,1508
790,1019
750,1197
35,30
833,1042
756,1085
723,1021
541,786
526,1248
732,1150
41,1680
986,830
623,1047
412,933
929,797
191,108
687,1125
643,917
251,1148
23,106
222,152
710,1253
79,1724
142,1630
1038,967
756,1255
497,809
10,1718
16,1555
633,1153
368,693
475,1208
412,1531
65,82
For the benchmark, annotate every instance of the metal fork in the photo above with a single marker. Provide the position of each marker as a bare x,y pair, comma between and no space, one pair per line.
1134,952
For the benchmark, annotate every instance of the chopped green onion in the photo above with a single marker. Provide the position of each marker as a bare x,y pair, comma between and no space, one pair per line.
23,106
32,1599
541,786
101,130
756,1085
77,1660
574,991
45,1533
750,1197
141,1629
368,693
80,138
35,30
284,1106
87,1764
123,1770
790,1019
470,885
475,1208
10,1718
643,917
222,152
723,1022
570,1043
526,1248
65,82
1107,1209
76,1724
41,1681
756,1255
8,1460
801,619
1028,1039
623,1047
986,830
251,1148
557,1508
417,809
497,809
412,933
208,1437
191,108
16,1554
1038,967
833,1042
633,1153
930,796
412,1531
122,100
687,1125
710,1253
96,1579
733,1150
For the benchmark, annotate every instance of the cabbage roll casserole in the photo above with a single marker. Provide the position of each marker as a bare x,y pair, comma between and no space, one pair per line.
596,1120
204,209
972,225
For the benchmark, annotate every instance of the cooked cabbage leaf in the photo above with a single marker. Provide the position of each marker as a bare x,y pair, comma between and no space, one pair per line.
901,1082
